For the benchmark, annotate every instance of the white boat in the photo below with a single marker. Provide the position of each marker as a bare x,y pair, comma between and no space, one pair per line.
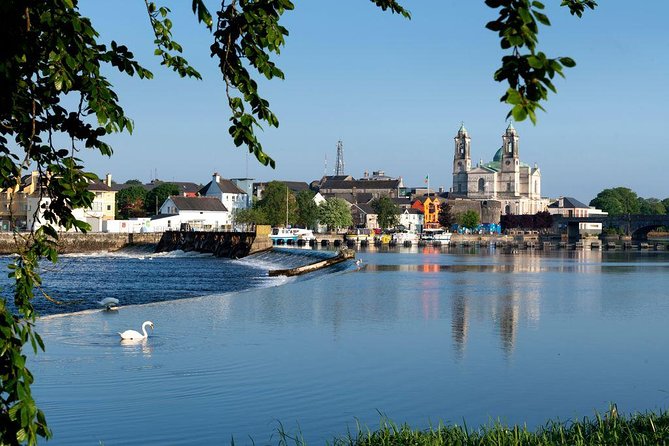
283,235
440,236
291,235
303,234
405,237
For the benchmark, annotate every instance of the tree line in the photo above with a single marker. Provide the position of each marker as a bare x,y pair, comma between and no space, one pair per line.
624,201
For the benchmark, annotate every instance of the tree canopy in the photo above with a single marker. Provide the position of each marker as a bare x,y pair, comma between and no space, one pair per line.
387,212
335,213
307,209
617,201
469,219
130,202
273,204
446,217
157,196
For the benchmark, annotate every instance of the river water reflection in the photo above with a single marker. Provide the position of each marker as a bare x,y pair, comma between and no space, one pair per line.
420,335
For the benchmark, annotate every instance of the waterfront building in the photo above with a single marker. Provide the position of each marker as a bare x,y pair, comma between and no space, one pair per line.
364,216
431,208
571,207
227,192
22,207
412,219
516,185
196,213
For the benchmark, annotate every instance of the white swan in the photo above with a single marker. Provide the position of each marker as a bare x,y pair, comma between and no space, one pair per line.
109,303
131,335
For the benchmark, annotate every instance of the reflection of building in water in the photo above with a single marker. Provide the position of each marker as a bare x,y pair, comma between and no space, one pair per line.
507,318
459,324
499,298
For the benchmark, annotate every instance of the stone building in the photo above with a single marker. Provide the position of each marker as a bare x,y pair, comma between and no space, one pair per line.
516,185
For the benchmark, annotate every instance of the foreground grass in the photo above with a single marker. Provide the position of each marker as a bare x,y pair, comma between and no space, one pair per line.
609,429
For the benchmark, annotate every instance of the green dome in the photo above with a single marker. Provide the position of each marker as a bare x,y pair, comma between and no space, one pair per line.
498,156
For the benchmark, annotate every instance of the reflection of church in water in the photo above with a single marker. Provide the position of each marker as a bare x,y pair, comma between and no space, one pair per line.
516,185
510,307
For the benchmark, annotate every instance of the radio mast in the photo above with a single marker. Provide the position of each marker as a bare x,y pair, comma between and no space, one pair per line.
339,166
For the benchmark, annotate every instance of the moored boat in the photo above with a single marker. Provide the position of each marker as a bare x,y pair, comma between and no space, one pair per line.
437,236
405,237
283,235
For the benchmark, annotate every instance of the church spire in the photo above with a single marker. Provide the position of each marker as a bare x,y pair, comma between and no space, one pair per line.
462,130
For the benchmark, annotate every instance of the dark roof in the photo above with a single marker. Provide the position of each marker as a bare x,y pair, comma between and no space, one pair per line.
412,211
568,202
361,184
358,198
97,185
226,187
366,208
337,178
184,186
198,204
402,201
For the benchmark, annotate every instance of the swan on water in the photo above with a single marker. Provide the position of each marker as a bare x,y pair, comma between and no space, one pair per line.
109,303
131,335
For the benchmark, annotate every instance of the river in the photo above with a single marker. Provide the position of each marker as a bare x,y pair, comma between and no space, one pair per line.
420,335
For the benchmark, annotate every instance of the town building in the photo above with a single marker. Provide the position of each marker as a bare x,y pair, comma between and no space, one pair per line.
362,190
516,185
571,207
412,219
191,213
227,192
22,207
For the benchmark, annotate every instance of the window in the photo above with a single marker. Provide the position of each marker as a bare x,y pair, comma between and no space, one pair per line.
481,185
109,207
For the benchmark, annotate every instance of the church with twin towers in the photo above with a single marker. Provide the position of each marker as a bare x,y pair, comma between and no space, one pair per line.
505,179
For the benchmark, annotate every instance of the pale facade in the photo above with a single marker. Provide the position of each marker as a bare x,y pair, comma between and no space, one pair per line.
232,197
516,185
22,207
197,213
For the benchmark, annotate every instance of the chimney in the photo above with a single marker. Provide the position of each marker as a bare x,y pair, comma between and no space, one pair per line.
108,180
216,177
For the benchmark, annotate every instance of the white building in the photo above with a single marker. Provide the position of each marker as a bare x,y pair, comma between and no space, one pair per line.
571,207
412,219
197,213
226,192
516,185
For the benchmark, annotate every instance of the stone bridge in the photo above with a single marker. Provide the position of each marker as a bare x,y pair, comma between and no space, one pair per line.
636,225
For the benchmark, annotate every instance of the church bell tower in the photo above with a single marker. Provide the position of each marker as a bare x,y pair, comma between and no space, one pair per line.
462,161
510,157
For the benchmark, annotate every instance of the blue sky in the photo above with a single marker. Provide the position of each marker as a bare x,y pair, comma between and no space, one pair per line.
395,91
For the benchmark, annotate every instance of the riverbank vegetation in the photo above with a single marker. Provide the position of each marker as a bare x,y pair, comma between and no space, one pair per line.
608,429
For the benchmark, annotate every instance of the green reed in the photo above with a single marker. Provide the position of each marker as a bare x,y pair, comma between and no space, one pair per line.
610,429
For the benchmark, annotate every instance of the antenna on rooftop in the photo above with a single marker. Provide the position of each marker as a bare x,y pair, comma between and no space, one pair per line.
339,166
325,170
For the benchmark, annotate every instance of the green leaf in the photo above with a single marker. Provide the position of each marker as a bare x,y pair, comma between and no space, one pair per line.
567,62
519,113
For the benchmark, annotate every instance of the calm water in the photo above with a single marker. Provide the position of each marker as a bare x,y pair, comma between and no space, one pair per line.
421,336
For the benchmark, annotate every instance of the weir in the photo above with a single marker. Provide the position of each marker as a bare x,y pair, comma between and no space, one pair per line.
221,244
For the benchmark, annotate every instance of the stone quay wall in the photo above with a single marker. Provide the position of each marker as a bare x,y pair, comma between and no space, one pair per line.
76,242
